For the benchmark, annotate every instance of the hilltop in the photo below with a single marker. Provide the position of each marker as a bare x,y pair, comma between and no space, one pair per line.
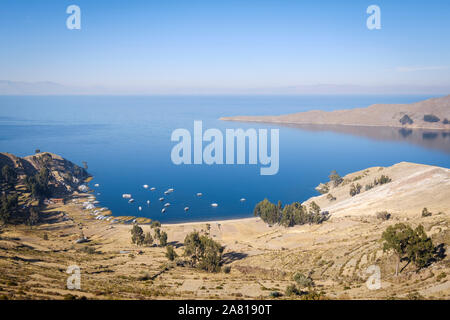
428,114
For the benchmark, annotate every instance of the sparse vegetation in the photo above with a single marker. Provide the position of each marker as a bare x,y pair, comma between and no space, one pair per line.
426,213
383,215
331,197
431,118
170,253
406,120
335,178
355,189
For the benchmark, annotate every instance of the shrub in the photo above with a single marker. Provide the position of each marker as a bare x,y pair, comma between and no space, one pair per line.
426,213
369,186
382,180
406,120
291,290
383,215
275,294
204,252
331,197
445,121
430,118
355,189
148,239
171,254
303,281
335,178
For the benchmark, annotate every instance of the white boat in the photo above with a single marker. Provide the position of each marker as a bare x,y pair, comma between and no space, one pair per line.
145,186
166,204
166,192
140,208
170,189
243,199
186,208
126,196
161,199
199,194
214,204
131,200
163,210
148,201
152,188
96,185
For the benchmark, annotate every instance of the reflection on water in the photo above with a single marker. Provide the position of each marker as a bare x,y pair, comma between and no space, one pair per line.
432,139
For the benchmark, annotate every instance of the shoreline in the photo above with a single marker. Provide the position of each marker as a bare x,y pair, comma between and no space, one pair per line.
238,119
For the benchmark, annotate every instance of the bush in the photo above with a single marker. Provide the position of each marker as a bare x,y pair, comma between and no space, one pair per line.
426,213
430,118
382,180
355,189
406,120
204,252
331,197
335,178
275,294
227,269
445,121
291,290
383,215
171,254
148,239
303,281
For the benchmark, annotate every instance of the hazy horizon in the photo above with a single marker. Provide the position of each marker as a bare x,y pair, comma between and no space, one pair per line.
203,47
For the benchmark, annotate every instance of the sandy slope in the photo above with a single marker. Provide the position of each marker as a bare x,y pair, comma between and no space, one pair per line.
385,115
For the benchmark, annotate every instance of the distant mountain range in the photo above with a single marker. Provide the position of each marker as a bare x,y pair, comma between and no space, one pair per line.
52,88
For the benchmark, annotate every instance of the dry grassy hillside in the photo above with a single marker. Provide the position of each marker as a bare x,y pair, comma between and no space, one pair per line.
385,115
335,254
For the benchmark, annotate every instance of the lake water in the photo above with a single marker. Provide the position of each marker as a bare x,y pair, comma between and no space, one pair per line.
126,142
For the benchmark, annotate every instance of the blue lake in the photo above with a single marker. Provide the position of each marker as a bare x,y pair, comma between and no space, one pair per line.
126,142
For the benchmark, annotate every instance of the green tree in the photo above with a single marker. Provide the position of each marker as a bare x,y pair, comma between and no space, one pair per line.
163,239
8,205
148,239
410,245
269,212
33,218
204,252
137,235
171,254
9,175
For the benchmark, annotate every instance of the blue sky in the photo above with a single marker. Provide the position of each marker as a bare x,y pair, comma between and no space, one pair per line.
236,45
